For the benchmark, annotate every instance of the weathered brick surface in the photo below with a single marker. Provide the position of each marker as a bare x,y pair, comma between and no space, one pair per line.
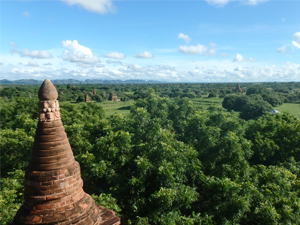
53,185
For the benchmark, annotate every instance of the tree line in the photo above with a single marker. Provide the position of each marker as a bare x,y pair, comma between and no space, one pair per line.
277,92
169,162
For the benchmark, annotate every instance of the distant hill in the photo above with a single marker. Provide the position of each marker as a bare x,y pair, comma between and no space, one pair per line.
73,81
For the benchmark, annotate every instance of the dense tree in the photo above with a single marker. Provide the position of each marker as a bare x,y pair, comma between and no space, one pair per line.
275,139
255,109
169,162
229,101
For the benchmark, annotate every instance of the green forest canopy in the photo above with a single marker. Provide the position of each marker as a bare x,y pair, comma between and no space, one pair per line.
169,162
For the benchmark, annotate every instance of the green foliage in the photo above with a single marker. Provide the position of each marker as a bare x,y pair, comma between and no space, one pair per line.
80,98
11,195
107,201
217,136
15,148
11,110
169,162
255,109
212,94
229,101
275,139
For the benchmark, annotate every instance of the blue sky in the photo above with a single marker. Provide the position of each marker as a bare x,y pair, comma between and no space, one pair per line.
175,41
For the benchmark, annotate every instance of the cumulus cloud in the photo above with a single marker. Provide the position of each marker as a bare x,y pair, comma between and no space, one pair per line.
212,50
97,6
224,2
283,49
296,42
26,13
145,55
13,44
42,54
218,2
32,63
255,2
79,54
1,63
239,68
113,62
287,72
184,37
199,49
48,64
115,55
193,49
240,58
75,47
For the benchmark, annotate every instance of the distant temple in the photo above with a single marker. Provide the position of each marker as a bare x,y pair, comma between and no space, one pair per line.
87,99
238,88
53,185
94,92
113,97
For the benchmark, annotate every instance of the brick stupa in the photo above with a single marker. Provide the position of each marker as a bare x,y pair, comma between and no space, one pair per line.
87,99
53,185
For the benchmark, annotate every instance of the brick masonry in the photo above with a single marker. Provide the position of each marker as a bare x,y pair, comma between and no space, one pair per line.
53,184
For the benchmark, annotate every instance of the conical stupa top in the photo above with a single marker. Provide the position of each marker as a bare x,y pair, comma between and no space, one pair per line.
47,91
53,185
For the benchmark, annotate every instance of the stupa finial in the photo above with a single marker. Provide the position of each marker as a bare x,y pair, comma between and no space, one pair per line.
48,105
47,91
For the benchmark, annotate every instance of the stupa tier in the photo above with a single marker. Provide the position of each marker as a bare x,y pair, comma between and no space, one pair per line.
53,186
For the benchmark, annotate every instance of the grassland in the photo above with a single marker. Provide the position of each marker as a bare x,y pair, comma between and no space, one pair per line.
204,102
120,107
291,108
116,107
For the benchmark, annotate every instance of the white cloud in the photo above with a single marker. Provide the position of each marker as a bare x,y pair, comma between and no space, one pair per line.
26,13
224,54
218,2
184,37
296,37
79,54
48,64
144,54
115,55
98,6
205,73
113,62
240,58
239,68
32,63
295,44
193,49
212,51
224,2
42,54
75,47
13,44
1,63
283,49
254,2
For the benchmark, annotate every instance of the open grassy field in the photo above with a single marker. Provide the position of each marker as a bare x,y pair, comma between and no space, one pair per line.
116,107
204,102
120,107
292,108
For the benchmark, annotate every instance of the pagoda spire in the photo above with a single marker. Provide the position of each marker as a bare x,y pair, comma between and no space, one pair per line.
53,185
